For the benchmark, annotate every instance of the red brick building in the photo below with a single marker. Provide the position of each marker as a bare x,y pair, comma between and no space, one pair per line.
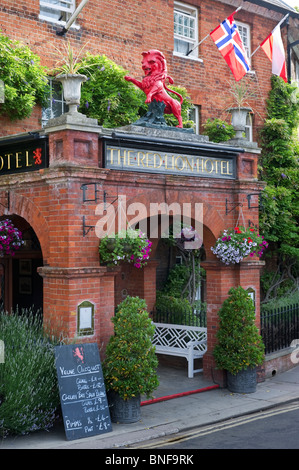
63,270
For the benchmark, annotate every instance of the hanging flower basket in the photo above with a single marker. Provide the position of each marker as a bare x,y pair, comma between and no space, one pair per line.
189,239
10,238
130,246
235,244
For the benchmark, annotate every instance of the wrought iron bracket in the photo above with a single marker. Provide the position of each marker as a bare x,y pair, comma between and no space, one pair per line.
96,192
105,197
249,201
86,228
236,204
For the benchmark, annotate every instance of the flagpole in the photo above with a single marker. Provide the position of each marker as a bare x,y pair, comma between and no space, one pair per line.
188,53
281,21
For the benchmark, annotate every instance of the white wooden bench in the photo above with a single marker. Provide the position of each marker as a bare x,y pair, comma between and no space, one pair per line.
181,340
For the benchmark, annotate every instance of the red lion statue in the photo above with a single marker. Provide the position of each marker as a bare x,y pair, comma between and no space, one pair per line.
153,84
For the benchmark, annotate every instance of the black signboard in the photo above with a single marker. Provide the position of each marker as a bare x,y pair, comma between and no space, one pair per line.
23,156
82,391
201,159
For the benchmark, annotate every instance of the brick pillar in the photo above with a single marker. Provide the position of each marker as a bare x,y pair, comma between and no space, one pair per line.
66,288
219,279
137,282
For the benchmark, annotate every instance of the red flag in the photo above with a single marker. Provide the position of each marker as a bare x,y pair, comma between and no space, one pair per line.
274,50
229,43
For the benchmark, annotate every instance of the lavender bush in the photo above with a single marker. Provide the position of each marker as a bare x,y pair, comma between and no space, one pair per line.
28,384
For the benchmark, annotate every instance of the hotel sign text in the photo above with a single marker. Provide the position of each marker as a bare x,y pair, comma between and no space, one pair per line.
137,159
23,156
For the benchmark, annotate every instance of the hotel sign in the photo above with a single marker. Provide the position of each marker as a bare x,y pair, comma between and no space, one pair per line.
197,164
23,156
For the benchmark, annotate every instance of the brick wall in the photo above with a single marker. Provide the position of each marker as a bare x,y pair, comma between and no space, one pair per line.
123,30
51,201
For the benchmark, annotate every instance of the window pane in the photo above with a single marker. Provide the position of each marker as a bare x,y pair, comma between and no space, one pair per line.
185,28
182,47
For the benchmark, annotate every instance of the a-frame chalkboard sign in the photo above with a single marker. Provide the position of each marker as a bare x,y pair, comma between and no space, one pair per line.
82,390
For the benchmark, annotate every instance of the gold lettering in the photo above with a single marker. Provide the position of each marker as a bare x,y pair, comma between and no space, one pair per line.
2,163
180,169
122,157
147,157
161,161
18,160
111,150
166,161
140,159
8,155
27,159
212,166
189,164
129,152
225,168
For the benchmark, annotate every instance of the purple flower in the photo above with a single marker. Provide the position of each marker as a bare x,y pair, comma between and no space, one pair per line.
87,104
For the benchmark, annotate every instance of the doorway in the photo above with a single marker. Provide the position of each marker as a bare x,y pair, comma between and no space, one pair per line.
21,286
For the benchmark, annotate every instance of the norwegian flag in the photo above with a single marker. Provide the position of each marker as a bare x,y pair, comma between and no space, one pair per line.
229,43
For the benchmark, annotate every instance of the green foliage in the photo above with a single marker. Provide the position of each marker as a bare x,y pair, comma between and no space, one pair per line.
25,80
68,61
283,102
218,130
166,303
130,365
113,101
239,344
284,301
174,297
130,246
186,107
28,381
279,168
107,96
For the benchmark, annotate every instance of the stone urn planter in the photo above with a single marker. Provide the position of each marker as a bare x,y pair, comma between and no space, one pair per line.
71,84
239,116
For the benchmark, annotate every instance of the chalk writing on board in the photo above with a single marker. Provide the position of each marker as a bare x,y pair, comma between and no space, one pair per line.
82,391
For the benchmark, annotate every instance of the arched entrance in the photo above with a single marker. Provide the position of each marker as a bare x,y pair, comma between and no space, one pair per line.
21,286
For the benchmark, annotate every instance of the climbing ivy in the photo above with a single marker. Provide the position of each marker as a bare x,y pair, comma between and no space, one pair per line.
25,80
279,169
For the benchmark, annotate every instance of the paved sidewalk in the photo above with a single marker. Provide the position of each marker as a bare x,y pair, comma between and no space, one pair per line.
174,415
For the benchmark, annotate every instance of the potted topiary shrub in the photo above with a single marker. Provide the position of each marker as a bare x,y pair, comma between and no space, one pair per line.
240,347
130,365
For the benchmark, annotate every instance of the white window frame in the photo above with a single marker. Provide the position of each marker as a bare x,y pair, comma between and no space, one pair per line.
63,8
245,34
186,11
196,117
49,109
248,127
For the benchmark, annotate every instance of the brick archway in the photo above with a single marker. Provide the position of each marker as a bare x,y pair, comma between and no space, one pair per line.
25,208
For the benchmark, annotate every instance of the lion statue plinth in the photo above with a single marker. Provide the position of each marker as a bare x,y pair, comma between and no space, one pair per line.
153,83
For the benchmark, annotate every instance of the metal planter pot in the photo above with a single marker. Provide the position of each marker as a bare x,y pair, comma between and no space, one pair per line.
243,382
123,411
